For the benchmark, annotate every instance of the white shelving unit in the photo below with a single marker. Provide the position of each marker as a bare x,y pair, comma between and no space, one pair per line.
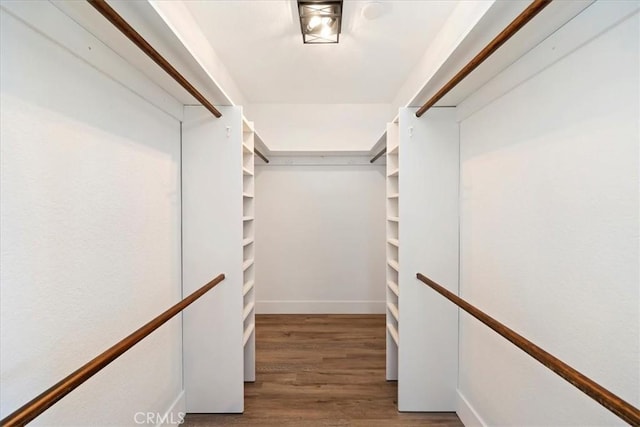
427,158
213,182
393,249
246,264
218,214
248,251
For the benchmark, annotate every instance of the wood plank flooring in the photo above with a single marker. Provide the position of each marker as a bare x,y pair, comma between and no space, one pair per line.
321,370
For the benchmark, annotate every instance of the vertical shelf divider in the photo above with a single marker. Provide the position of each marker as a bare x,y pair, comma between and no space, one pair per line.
211,244
393,249
248,248
428,215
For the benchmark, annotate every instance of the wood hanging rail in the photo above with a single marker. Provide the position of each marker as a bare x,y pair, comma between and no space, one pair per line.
377,156
259,154
520,21
49,397
126,29
621,408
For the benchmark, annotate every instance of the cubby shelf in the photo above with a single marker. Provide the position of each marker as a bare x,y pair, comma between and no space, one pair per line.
247,172
393,196
247,333
247,195
247,287
393,173
248,263
393,242
247,241
393,219
393,309
247,218
393,332
247,310
394,287
392,263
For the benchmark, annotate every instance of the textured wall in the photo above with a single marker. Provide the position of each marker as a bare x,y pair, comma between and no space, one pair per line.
320,239
550,235
90,235
346,127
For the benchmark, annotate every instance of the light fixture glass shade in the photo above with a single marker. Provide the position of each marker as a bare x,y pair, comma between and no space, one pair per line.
320,20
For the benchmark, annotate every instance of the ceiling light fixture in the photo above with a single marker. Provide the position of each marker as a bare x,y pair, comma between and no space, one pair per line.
320,20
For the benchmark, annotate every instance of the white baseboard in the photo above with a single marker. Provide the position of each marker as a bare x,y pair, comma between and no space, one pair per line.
320,307
466,413
175,414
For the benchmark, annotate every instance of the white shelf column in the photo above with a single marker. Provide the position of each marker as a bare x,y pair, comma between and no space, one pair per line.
429,212
393,249
248,250
212,214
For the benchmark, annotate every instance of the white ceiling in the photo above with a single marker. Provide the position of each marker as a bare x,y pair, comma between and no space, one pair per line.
260,43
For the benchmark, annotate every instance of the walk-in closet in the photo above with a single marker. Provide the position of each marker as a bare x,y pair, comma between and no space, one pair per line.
320,212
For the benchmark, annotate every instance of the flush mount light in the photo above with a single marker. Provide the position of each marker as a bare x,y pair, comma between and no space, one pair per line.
320,20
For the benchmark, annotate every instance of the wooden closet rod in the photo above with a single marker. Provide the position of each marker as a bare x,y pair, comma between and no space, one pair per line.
259,154
621,408
377,156
126,29
30,410
521,20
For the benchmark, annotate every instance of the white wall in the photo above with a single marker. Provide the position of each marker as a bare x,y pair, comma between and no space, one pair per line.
177,16
322,127
550,233
90,235
454,32
320,239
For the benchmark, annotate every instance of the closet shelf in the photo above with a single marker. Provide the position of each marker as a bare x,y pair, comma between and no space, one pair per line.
247,287
247,333
247,310
393,332
394,287
248,245
393,309
248,263
393,189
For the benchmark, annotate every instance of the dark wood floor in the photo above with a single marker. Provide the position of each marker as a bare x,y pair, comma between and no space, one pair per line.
321,370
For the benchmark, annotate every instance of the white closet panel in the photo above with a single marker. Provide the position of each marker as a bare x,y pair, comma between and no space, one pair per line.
428,217
212,214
